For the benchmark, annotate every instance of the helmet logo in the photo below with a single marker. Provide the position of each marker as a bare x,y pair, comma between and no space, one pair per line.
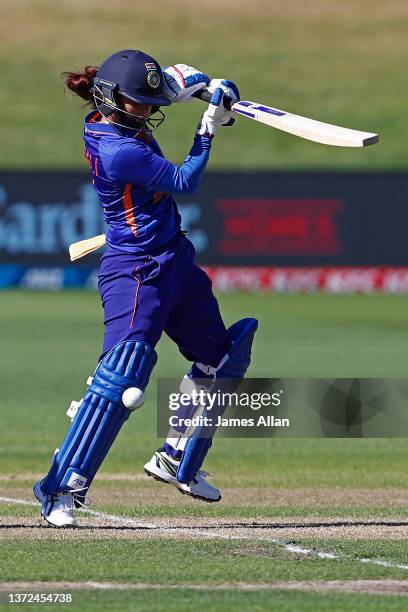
153,79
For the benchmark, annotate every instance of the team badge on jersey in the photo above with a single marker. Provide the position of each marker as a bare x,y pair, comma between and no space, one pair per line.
153,79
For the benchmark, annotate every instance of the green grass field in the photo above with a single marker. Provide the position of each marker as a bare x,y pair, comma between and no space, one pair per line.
338,62
304,524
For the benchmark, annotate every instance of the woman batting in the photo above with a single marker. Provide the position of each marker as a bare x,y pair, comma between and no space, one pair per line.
148,280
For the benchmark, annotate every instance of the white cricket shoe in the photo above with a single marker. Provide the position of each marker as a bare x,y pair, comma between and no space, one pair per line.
164,468
57,509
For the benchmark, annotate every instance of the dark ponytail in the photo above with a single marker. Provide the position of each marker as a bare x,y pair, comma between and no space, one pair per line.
81,83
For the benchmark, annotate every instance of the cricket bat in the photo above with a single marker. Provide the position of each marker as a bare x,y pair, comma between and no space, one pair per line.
84,247
310,129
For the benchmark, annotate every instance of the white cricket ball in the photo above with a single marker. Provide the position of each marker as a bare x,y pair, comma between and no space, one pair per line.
133,398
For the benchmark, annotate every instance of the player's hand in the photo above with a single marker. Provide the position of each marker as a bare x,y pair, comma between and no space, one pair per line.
182,81
230,89
215,115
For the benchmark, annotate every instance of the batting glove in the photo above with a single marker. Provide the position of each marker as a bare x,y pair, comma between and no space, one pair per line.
182,81
215,115
230,89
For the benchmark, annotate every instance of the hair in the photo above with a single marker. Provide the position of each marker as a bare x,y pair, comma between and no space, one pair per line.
80,83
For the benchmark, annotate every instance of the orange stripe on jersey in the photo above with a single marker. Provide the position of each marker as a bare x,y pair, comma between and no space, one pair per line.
128,205
96,166
88,158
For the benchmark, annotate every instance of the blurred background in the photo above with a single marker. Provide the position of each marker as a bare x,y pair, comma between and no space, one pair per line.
270,200
310,239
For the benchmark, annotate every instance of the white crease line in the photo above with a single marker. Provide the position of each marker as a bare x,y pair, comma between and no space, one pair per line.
12,500
291,548
326,555
384,563
102,515
307,551
297,549
119,519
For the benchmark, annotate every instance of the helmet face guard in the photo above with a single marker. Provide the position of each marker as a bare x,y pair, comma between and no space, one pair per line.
103,92
135,76
107,102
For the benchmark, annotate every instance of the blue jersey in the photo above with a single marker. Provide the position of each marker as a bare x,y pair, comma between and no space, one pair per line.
134,183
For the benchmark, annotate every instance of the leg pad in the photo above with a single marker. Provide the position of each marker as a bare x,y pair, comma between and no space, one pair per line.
230,372
100,416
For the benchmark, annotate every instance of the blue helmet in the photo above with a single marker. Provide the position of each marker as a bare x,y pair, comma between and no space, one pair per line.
132,74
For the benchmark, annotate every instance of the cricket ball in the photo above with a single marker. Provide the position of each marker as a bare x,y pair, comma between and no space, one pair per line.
133,398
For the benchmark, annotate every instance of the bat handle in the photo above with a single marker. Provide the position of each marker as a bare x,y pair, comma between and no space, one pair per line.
205,95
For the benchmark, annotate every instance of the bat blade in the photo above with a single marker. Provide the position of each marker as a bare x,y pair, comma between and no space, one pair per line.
84,247
310,129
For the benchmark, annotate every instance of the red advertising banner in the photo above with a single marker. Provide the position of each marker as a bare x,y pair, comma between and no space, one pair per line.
279,226
309,280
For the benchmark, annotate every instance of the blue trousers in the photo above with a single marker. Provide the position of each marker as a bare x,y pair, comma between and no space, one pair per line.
144,295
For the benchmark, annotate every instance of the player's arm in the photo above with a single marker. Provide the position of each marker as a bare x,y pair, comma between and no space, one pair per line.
135,163
186,178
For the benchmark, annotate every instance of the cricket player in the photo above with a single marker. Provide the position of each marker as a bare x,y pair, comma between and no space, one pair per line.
148,281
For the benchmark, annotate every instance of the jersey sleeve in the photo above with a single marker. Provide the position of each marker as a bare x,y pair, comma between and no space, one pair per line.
136,164
186,178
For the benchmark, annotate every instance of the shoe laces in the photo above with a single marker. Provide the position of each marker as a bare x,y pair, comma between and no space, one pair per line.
68,498
83,502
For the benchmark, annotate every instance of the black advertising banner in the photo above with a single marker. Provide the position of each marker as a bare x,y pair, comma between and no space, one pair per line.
262,218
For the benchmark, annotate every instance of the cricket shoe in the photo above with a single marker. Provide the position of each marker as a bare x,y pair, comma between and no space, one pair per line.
164,468
56,508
